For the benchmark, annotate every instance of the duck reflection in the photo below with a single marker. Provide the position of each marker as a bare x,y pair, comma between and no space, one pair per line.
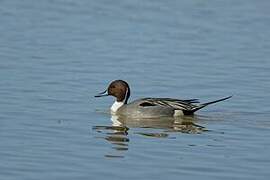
118,133
184,124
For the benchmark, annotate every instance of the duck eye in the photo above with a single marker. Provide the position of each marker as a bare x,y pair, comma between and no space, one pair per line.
112,86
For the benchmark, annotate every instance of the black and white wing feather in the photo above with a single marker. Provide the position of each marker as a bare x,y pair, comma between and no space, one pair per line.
172,103
188,106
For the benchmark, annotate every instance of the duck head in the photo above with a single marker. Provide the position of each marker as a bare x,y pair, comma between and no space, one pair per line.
119,89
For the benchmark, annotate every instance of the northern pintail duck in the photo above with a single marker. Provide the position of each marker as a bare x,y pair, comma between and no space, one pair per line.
150,107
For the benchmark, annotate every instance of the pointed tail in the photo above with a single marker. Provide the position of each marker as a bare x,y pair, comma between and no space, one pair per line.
206,104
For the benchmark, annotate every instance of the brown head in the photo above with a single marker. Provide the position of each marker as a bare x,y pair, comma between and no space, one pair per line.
119,89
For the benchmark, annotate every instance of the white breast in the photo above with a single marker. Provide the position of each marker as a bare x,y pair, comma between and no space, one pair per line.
116,105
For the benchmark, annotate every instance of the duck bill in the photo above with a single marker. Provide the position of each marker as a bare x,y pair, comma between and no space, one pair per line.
102,94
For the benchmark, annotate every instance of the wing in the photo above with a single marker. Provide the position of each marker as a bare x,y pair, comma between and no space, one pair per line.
188,106
169,102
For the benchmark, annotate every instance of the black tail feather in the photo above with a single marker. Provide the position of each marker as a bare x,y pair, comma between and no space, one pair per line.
205,104
212,102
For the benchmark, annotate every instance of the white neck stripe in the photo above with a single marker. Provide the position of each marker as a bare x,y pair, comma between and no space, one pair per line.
116,105
126,95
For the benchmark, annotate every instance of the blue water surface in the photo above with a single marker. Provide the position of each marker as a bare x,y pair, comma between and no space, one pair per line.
56,55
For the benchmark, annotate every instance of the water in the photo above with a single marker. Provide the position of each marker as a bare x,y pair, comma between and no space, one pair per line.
56,55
